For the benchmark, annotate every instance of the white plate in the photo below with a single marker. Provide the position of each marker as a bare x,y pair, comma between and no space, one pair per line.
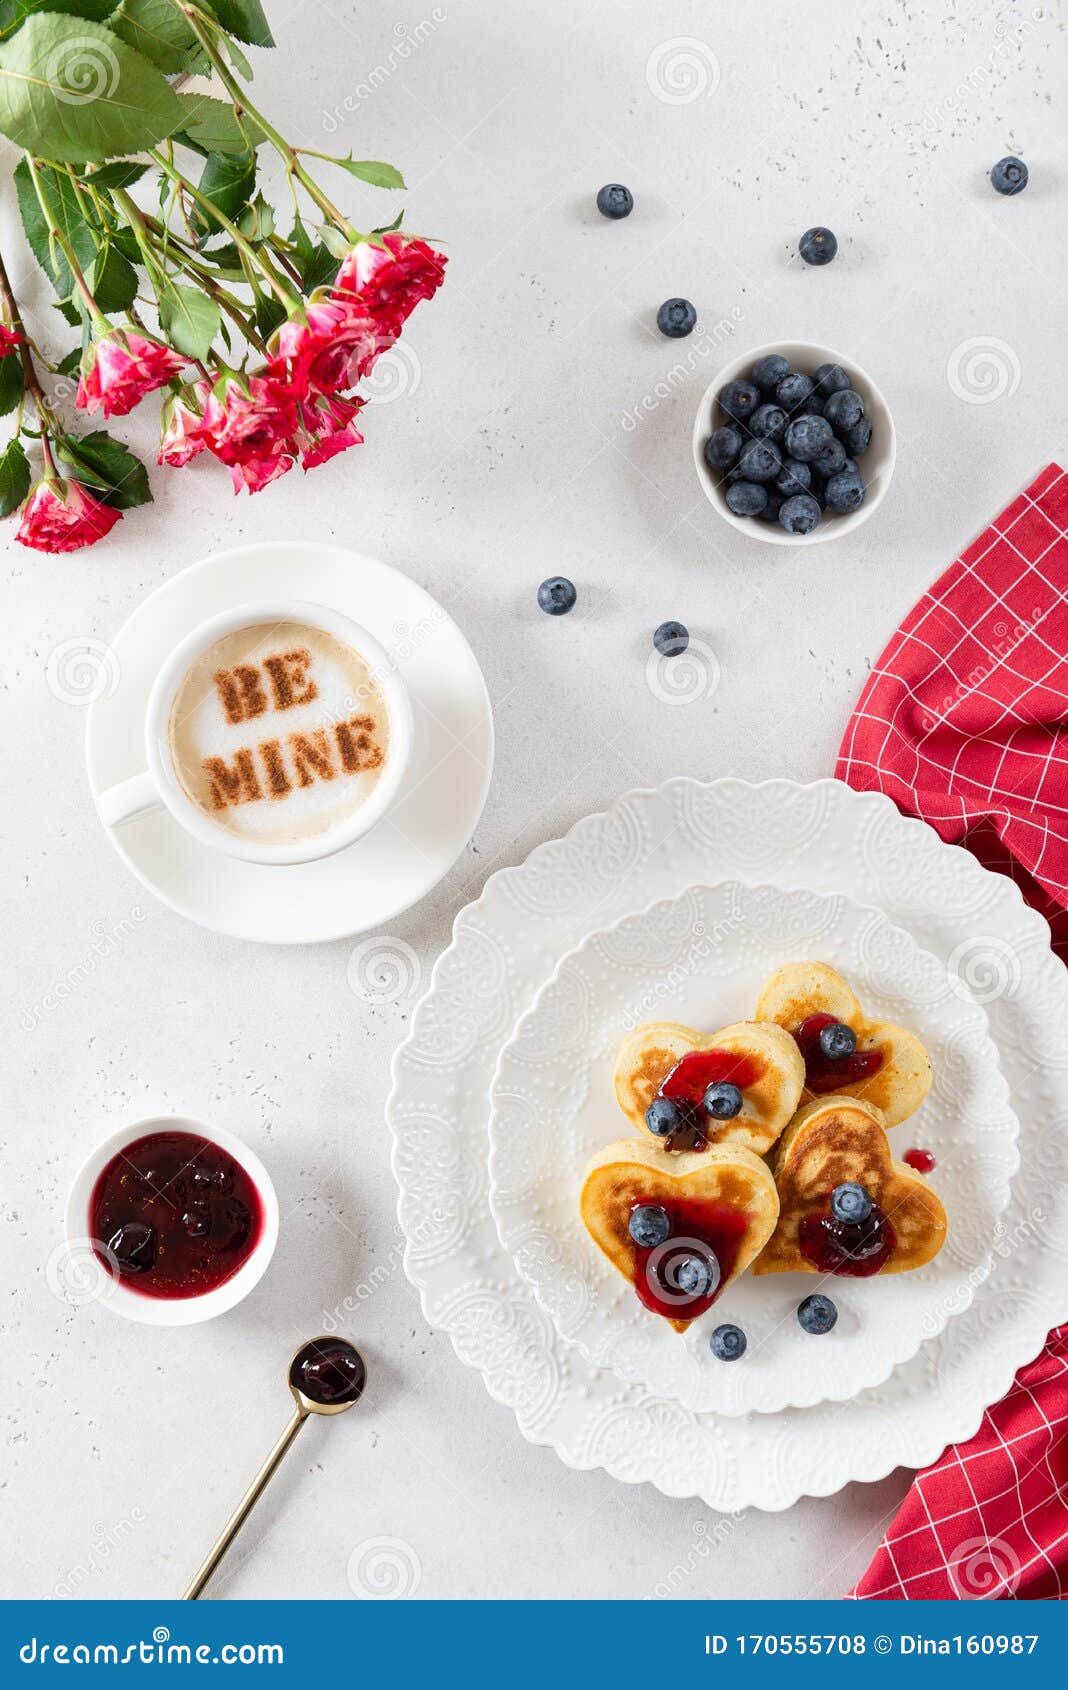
653,844
701,958
443,792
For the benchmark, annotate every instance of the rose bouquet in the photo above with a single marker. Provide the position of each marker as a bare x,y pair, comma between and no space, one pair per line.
140,201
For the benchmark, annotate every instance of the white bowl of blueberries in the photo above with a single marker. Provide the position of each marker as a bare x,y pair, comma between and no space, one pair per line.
794,444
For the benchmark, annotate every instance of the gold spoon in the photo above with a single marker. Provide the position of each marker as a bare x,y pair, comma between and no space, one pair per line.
326,1376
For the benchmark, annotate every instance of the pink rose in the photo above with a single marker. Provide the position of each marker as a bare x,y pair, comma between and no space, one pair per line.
61,516
9,340
120,367
182,423
390,279
258,473
329,427
250,421
325,347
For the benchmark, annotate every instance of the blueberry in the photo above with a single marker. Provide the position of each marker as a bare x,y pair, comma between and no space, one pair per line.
557,595
134,1246
728,1343
831,459
768,372
768,422
793,391
845,492
696,1275
850,1204
614,200
761,460
815,405
858,438
844,409
817,246
831,378
817,1314
837,1041
723,1101
675,318
800,514
671,639
722,448
807,437
746,498
794,477
739,399
771,510
1009,175
649,1225
663,1117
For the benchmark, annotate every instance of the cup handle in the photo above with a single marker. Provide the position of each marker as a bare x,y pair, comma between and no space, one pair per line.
138,796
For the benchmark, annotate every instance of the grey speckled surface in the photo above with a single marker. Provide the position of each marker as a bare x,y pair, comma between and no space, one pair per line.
510,459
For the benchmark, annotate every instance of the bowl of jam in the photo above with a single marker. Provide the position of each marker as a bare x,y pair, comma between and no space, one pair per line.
172,1222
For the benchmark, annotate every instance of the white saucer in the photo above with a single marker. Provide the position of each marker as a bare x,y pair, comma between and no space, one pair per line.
408,852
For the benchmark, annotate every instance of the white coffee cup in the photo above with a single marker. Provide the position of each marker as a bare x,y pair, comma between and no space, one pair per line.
159,784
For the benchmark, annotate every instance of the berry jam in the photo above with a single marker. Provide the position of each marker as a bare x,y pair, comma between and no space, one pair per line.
855,1251
690,1079
697,1227
173,1215
329,1371
822,1073
922,1160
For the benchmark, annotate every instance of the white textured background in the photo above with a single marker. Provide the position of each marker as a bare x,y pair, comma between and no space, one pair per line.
509,458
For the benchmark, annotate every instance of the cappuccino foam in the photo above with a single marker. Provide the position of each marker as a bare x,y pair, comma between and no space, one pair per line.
279,732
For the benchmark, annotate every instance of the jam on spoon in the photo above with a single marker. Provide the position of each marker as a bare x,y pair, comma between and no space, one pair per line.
329,1372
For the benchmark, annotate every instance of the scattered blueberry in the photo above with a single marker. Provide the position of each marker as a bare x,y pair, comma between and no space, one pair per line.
671,639
768,422
831,378
845,492
614,200
794,477
746,498
800,514
761,460
557,595
739,399
1009,175
850,1204
663,1117
807,437
723,1101
793,391
831,459
817,1314
696,1275
858,438
844,409
676,317
722,448
768,372
817,246
728,1343
649,1225
837,1041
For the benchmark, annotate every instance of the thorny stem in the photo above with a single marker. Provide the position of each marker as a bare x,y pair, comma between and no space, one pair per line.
30,379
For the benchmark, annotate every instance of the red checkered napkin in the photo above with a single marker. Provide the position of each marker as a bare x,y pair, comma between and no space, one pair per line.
962,723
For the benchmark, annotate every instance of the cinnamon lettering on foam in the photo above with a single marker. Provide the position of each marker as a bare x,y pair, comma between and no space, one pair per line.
349,748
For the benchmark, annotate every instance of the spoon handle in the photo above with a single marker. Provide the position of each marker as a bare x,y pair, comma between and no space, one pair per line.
245,1506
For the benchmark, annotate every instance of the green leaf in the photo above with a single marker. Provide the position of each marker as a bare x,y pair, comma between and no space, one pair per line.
189,319
211,126
243,18
67,214
106,466
372,170
11,382
316,264
112,279
14,476
71,364
257,220
267,313
70,89
157,29
13,13
122,174
334,241
235,56
228,181
388,228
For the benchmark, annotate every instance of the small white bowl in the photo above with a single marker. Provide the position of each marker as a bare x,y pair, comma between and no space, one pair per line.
877,463
84,1275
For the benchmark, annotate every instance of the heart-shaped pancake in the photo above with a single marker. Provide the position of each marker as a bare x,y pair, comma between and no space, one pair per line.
762,1061
720,1202
837,1141
889,1067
